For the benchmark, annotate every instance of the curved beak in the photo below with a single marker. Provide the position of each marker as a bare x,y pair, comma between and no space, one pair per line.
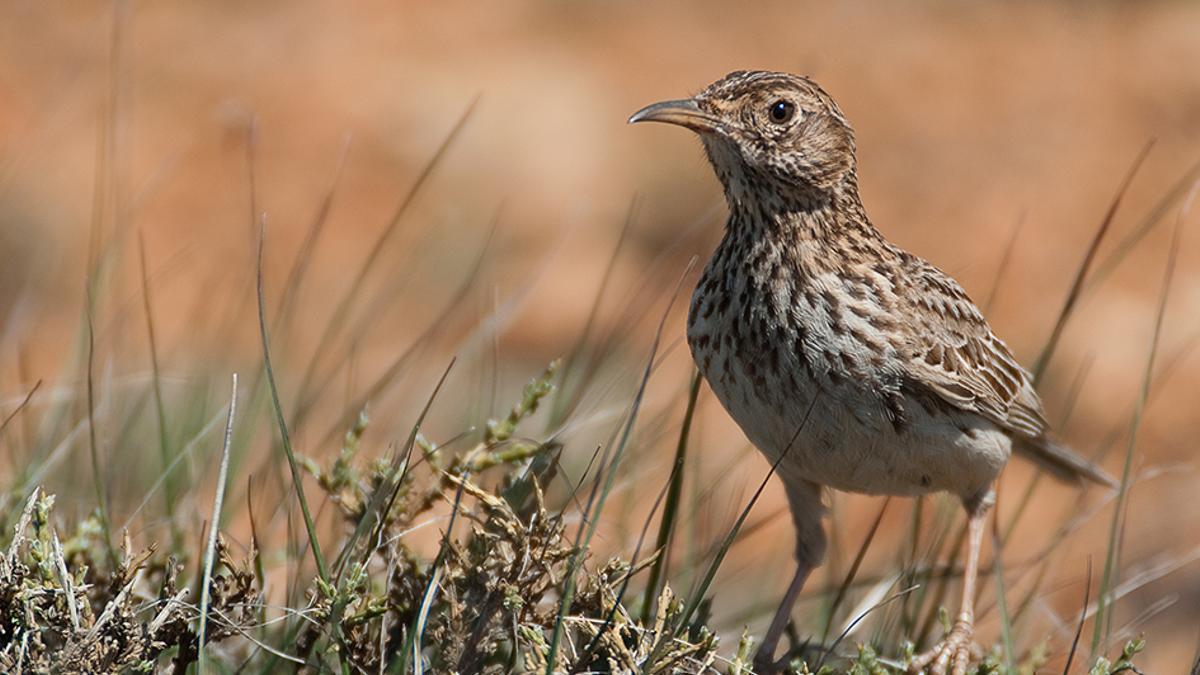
683,112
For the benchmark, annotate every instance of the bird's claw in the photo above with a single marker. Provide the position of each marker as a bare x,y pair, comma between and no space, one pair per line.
954,652
765,663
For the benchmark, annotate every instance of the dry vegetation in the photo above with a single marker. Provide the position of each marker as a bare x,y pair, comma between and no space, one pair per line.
516,593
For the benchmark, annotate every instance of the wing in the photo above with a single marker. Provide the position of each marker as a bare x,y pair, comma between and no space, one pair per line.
953,353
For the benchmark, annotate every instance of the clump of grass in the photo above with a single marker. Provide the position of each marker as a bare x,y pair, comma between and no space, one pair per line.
64,609
485,603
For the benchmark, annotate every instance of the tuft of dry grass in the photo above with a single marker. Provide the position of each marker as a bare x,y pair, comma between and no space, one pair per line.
64,609
486,603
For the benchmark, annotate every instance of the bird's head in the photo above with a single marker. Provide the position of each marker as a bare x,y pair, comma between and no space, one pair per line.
764,130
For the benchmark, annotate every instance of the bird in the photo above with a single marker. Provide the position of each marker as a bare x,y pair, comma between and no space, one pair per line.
849,362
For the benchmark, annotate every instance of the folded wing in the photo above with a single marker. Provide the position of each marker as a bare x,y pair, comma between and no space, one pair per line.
953,354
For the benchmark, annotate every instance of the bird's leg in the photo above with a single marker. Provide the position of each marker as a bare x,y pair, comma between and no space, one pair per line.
804,498
954,650
764,658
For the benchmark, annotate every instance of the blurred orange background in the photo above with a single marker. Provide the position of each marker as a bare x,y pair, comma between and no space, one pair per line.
978,124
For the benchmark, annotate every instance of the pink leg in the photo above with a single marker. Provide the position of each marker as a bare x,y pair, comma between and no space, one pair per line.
954,650
804,498
764,659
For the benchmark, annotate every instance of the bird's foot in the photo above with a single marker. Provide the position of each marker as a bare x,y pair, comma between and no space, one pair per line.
765,663
953,652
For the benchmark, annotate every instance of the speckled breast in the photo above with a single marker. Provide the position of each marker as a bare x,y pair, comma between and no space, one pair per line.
796,397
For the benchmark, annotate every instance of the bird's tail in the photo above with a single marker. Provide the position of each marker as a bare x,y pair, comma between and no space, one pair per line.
1062,462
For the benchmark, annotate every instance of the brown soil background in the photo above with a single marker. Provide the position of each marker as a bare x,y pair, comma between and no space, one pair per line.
970,120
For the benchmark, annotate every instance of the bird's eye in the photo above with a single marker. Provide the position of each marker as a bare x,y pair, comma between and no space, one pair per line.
782,111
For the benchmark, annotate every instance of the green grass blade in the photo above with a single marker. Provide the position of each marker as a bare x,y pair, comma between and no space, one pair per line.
1006,629
657,556
404,359
666,529
170,492
375,515
697,596
98,479
297,479
565,401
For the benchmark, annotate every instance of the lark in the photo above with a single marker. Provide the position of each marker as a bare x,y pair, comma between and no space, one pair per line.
848,361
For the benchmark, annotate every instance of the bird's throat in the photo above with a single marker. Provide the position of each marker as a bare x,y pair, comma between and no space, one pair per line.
824,219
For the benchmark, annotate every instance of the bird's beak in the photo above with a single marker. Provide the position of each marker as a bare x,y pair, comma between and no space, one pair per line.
683,112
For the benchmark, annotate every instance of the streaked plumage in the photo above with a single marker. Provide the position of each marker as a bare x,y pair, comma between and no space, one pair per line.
805,311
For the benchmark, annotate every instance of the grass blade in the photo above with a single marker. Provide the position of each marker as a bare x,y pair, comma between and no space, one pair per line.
300,264
666,529
381,502
20,406
1002,267
418,627
404,359
170,494
1087,588
297,480
565,401
853,572
98,482
1026,499
1103,622
214,529
1068,308
862,615
697,597
1178,191
1077,284
1001,594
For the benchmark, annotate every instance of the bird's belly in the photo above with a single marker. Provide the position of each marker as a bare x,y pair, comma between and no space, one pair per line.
839,434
